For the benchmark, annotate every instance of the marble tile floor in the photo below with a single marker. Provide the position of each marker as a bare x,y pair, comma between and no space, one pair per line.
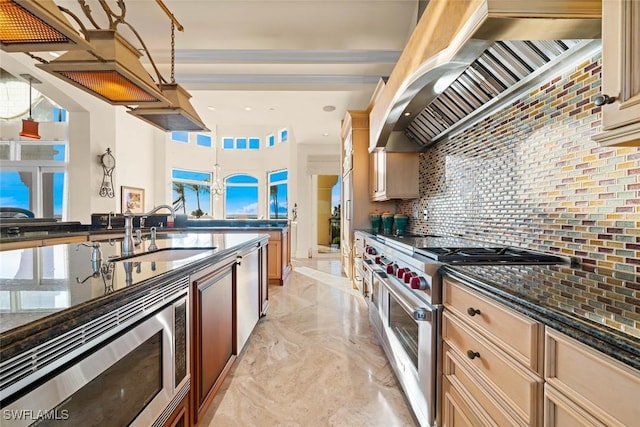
313,360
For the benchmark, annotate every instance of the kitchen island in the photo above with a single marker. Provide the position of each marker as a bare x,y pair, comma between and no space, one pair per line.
27,233
72,306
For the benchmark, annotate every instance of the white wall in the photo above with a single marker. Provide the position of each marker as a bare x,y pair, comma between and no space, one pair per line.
312,160
145,156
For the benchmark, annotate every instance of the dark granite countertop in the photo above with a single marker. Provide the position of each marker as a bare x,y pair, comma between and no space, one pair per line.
33,229
596,306
47,290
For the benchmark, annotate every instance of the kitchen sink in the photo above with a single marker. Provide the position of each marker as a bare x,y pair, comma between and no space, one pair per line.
169,255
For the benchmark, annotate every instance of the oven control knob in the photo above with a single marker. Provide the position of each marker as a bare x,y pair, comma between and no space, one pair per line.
371,250
378,260
418,282
391,269
408,275
400,272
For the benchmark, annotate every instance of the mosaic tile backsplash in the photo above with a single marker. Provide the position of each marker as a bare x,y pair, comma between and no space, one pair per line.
530,176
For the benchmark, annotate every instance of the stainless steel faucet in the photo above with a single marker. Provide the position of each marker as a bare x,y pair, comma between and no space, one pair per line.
111,215
143,217
128,244
152,245
157,208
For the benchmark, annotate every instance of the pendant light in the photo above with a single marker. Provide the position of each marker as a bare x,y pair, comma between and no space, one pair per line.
30,126
112,70
36,26
178,114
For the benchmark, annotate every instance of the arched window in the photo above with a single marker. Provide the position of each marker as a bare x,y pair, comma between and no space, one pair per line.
241,198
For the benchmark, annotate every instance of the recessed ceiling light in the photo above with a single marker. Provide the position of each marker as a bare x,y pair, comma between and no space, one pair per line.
325,134
247,108
328,108
406,113
211,108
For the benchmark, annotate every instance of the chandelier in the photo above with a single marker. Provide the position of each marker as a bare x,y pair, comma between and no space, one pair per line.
217,188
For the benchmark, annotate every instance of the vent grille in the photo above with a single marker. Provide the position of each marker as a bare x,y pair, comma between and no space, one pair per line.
59,350
498,68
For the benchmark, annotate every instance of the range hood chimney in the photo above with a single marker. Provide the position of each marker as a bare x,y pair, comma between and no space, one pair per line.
473,50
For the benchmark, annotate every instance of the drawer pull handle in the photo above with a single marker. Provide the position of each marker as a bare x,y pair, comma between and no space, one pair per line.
473,311
472,354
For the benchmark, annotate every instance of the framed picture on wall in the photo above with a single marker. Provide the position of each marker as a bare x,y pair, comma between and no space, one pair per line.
132,198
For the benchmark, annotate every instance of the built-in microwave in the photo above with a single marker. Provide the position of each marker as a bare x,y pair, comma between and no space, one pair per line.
135,379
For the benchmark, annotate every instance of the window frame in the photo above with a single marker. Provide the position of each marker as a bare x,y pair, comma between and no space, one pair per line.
227,186
277,183
37,169
192,182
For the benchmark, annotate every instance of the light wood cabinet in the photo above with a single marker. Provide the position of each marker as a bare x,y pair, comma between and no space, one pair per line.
279,256
356,203
456,410
394,176
492,357
586,387
480,403
522,336
620,73
503,368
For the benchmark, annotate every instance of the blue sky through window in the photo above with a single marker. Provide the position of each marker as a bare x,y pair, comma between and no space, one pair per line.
241,197
13,192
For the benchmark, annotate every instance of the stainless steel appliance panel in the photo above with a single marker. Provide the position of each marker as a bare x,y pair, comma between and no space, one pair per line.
130,380
410,338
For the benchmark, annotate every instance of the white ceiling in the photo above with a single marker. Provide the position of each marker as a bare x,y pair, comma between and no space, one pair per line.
286,59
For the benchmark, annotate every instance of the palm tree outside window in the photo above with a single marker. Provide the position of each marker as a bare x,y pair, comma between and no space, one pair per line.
191,192
278,207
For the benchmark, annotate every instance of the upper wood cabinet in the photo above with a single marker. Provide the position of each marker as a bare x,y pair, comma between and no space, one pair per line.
394,176
356,204
620,73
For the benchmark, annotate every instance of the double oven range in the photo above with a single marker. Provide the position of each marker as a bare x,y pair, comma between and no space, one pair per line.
403,289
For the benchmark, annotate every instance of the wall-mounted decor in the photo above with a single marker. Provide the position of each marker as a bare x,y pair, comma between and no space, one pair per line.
132,199
108,163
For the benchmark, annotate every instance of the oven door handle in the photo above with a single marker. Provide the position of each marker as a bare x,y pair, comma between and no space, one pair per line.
419,310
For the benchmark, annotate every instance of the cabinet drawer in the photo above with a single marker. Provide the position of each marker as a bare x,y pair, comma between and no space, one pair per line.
601,385
518,388
458,373
520,336
559,411
456,411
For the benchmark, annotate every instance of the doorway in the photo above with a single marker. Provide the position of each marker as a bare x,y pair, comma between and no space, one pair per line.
328,214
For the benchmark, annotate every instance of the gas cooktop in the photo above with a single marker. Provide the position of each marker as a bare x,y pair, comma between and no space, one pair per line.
489,255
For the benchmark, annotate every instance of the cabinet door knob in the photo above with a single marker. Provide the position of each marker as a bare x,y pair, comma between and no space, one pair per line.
472,354
473,311
603,99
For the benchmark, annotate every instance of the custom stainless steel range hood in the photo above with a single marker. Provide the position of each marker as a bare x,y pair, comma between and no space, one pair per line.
464,55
